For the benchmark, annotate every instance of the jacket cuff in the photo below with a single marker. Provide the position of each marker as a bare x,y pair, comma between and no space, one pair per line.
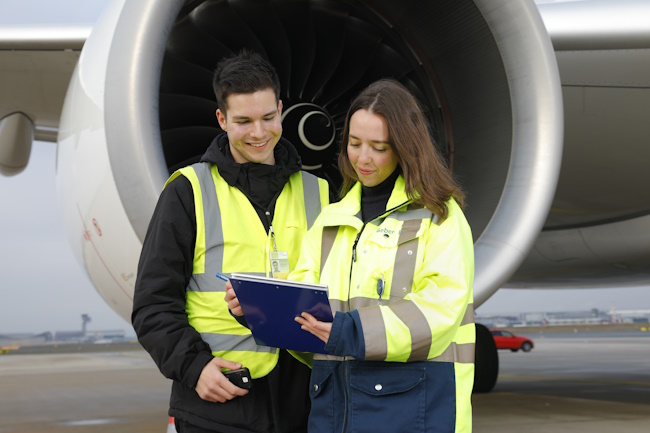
193,372
240,319
346,336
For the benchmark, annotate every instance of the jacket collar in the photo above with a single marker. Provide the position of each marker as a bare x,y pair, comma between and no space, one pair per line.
348,210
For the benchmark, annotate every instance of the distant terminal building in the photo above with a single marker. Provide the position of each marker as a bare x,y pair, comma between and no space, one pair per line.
23,339
630,316
87,336
587,317
65,337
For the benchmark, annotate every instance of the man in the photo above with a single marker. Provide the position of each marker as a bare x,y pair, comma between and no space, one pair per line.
246,203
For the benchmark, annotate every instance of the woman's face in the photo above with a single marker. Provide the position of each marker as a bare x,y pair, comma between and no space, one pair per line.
369,150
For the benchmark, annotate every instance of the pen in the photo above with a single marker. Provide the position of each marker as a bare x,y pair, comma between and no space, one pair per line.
222,277
380,288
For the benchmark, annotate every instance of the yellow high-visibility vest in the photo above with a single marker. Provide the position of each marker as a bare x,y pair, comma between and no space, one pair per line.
231,238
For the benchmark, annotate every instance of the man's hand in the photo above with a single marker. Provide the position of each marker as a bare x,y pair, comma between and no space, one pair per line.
231,299
319,329
213,386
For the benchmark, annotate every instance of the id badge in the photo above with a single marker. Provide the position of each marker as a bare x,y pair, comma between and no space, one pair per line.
280,264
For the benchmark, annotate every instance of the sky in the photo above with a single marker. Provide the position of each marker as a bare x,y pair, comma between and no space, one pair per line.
50,12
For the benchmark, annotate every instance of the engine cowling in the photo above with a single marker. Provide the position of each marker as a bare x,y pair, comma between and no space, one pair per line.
140,105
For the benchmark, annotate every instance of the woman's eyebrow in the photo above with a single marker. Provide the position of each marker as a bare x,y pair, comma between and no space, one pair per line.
372,141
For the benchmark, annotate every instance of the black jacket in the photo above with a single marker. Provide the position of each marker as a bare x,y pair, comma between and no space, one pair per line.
278,402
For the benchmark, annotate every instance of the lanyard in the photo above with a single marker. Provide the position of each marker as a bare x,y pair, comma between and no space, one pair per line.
268,216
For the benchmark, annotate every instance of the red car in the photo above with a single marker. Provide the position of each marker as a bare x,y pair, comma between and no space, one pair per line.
507,340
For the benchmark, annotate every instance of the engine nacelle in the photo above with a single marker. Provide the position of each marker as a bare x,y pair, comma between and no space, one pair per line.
140,105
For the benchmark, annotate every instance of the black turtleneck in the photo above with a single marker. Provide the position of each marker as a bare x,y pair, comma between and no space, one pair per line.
375,198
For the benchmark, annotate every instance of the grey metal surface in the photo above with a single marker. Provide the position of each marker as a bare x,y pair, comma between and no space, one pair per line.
40,44
500,96
597,233
606,255
597,24
16,135
606,93
536,148
34,82
131,110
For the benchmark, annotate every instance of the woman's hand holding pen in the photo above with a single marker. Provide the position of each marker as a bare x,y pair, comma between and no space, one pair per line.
231,299
311,324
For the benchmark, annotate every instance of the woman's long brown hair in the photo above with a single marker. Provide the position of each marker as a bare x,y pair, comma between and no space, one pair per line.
429,181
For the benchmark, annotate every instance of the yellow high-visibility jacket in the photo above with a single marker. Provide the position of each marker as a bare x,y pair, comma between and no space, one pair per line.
402,340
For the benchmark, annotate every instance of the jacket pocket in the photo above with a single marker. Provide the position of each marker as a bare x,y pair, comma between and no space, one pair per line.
321,394
387,398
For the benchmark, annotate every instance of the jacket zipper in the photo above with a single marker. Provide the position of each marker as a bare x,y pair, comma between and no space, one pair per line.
356,241
343,363
345,397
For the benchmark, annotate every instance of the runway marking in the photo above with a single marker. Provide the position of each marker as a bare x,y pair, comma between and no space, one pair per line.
85,422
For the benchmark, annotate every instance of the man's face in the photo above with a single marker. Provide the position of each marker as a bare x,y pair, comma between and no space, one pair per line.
253,124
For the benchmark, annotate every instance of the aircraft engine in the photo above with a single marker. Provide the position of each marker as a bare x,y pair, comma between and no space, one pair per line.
140,105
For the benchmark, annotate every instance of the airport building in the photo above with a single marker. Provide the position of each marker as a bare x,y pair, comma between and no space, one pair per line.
79,336
588,317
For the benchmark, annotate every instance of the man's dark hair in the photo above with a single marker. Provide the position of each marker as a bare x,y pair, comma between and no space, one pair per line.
246,72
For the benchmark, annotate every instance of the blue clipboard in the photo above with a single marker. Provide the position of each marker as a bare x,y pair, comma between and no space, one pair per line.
271,304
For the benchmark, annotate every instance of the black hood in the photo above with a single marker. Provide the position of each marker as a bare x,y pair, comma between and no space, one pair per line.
261,183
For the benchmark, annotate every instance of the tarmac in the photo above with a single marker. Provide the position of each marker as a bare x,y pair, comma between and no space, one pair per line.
567,384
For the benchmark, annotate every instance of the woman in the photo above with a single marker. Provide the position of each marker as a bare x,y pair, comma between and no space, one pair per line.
397,255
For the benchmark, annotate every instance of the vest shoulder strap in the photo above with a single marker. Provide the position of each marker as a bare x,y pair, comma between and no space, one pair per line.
311,195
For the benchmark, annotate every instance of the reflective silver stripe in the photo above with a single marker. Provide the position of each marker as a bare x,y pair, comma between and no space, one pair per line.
423,212
407,251
213,234
230,342
463,353
469,315
324,357
202,283
359,302
420,213
311,194
205,283
418,327
327,240
338,305
374,334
